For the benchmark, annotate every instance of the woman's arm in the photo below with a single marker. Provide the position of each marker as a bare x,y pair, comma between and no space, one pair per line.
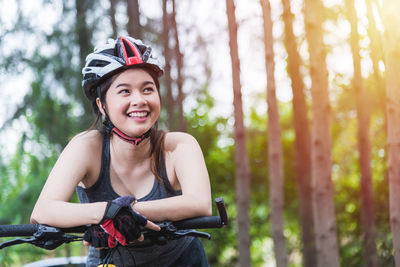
185,154
74,164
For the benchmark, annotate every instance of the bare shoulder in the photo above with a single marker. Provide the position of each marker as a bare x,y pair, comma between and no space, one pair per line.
175,139
87,138
83,152
85,142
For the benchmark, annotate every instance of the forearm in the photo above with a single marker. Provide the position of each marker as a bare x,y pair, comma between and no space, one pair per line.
174,208
65,214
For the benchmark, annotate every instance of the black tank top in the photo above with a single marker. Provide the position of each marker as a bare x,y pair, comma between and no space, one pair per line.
156,255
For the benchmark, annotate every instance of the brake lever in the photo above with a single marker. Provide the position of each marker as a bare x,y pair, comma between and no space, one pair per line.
16,242
46,237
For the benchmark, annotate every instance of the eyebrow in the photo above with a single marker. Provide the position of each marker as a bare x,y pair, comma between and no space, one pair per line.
127,84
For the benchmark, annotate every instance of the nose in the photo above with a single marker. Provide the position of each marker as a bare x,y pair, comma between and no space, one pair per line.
137,99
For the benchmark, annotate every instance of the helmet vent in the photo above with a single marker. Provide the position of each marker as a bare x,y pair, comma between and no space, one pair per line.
108,52
98,63
128,49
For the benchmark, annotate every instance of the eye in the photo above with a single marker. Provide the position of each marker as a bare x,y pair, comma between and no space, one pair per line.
123,91
148,90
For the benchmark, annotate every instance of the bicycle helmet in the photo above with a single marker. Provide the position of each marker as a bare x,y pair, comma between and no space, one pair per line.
114,56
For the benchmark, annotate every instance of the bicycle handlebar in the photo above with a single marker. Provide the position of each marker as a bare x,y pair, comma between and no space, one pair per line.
32,229
18,230
51,237
192,223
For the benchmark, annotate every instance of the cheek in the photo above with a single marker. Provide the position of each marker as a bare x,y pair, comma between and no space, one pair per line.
157,105
115,106
119,106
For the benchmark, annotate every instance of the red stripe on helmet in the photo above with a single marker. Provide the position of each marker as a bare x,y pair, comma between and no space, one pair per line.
137,59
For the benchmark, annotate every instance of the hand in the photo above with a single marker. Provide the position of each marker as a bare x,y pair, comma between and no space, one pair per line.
98,238
123,223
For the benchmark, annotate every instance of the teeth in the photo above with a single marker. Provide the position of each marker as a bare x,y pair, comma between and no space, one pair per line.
137,114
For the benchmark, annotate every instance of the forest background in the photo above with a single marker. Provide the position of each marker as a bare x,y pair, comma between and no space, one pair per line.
272,217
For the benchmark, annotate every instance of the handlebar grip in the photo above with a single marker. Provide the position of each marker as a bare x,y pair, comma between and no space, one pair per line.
199,223
77,229
221,210
18,230
206,222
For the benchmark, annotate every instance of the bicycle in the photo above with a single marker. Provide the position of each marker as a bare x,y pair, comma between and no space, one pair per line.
48,237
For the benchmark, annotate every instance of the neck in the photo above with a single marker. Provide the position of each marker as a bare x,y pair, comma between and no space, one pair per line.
131,154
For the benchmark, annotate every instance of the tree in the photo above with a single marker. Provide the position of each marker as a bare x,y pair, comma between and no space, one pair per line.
173,64
179,65
167,69
376,51
376,55
274,144
302,141
113,4
241,160
83,36
134,28
391,20
324,213
364,143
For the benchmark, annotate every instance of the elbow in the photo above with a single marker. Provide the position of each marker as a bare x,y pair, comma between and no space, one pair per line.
205,208
208,208
33,220
39,216
34,217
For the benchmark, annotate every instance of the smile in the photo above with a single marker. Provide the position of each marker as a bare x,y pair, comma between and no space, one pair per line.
140,114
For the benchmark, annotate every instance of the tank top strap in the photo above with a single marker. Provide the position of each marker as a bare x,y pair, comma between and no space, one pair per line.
104,176
162,172
105,157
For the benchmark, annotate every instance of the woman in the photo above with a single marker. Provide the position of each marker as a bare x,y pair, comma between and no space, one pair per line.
129,170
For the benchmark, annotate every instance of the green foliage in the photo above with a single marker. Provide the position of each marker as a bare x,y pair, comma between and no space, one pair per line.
54,110
346,178
219,159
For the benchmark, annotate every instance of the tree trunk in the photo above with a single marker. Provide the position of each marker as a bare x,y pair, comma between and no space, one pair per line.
376,54
179,65
83,35
391,21
82,31
364,144
113,4
375,39
134,27
241,159
324,212
276,198
170,103
302,141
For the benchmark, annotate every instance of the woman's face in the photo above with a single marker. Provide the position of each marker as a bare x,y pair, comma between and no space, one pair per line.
132,102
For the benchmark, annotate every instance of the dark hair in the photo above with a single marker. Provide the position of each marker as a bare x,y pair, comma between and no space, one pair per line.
157,136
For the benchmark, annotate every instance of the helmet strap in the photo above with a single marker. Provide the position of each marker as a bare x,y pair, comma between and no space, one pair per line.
110,128
132,140
99,93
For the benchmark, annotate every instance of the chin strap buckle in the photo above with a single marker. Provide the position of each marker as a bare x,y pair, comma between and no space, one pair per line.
132,140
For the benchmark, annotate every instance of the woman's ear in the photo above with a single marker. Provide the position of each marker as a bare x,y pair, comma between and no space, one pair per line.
100,106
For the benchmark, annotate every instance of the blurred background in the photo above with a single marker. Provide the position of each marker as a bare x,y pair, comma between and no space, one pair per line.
43,45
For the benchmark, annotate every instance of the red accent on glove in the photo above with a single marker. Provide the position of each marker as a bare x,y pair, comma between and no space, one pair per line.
114,234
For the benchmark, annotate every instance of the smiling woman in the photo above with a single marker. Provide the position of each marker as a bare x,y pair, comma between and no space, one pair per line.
133,102
129,173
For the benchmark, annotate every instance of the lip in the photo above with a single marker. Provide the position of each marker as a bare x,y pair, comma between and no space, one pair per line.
138,119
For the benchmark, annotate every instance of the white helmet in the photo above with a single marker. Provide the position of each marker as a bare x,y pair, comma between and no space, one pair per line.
116,55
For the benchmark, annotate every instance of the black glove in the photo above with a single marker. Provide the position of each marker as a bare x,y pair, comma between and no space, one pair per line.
98,238
121,222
